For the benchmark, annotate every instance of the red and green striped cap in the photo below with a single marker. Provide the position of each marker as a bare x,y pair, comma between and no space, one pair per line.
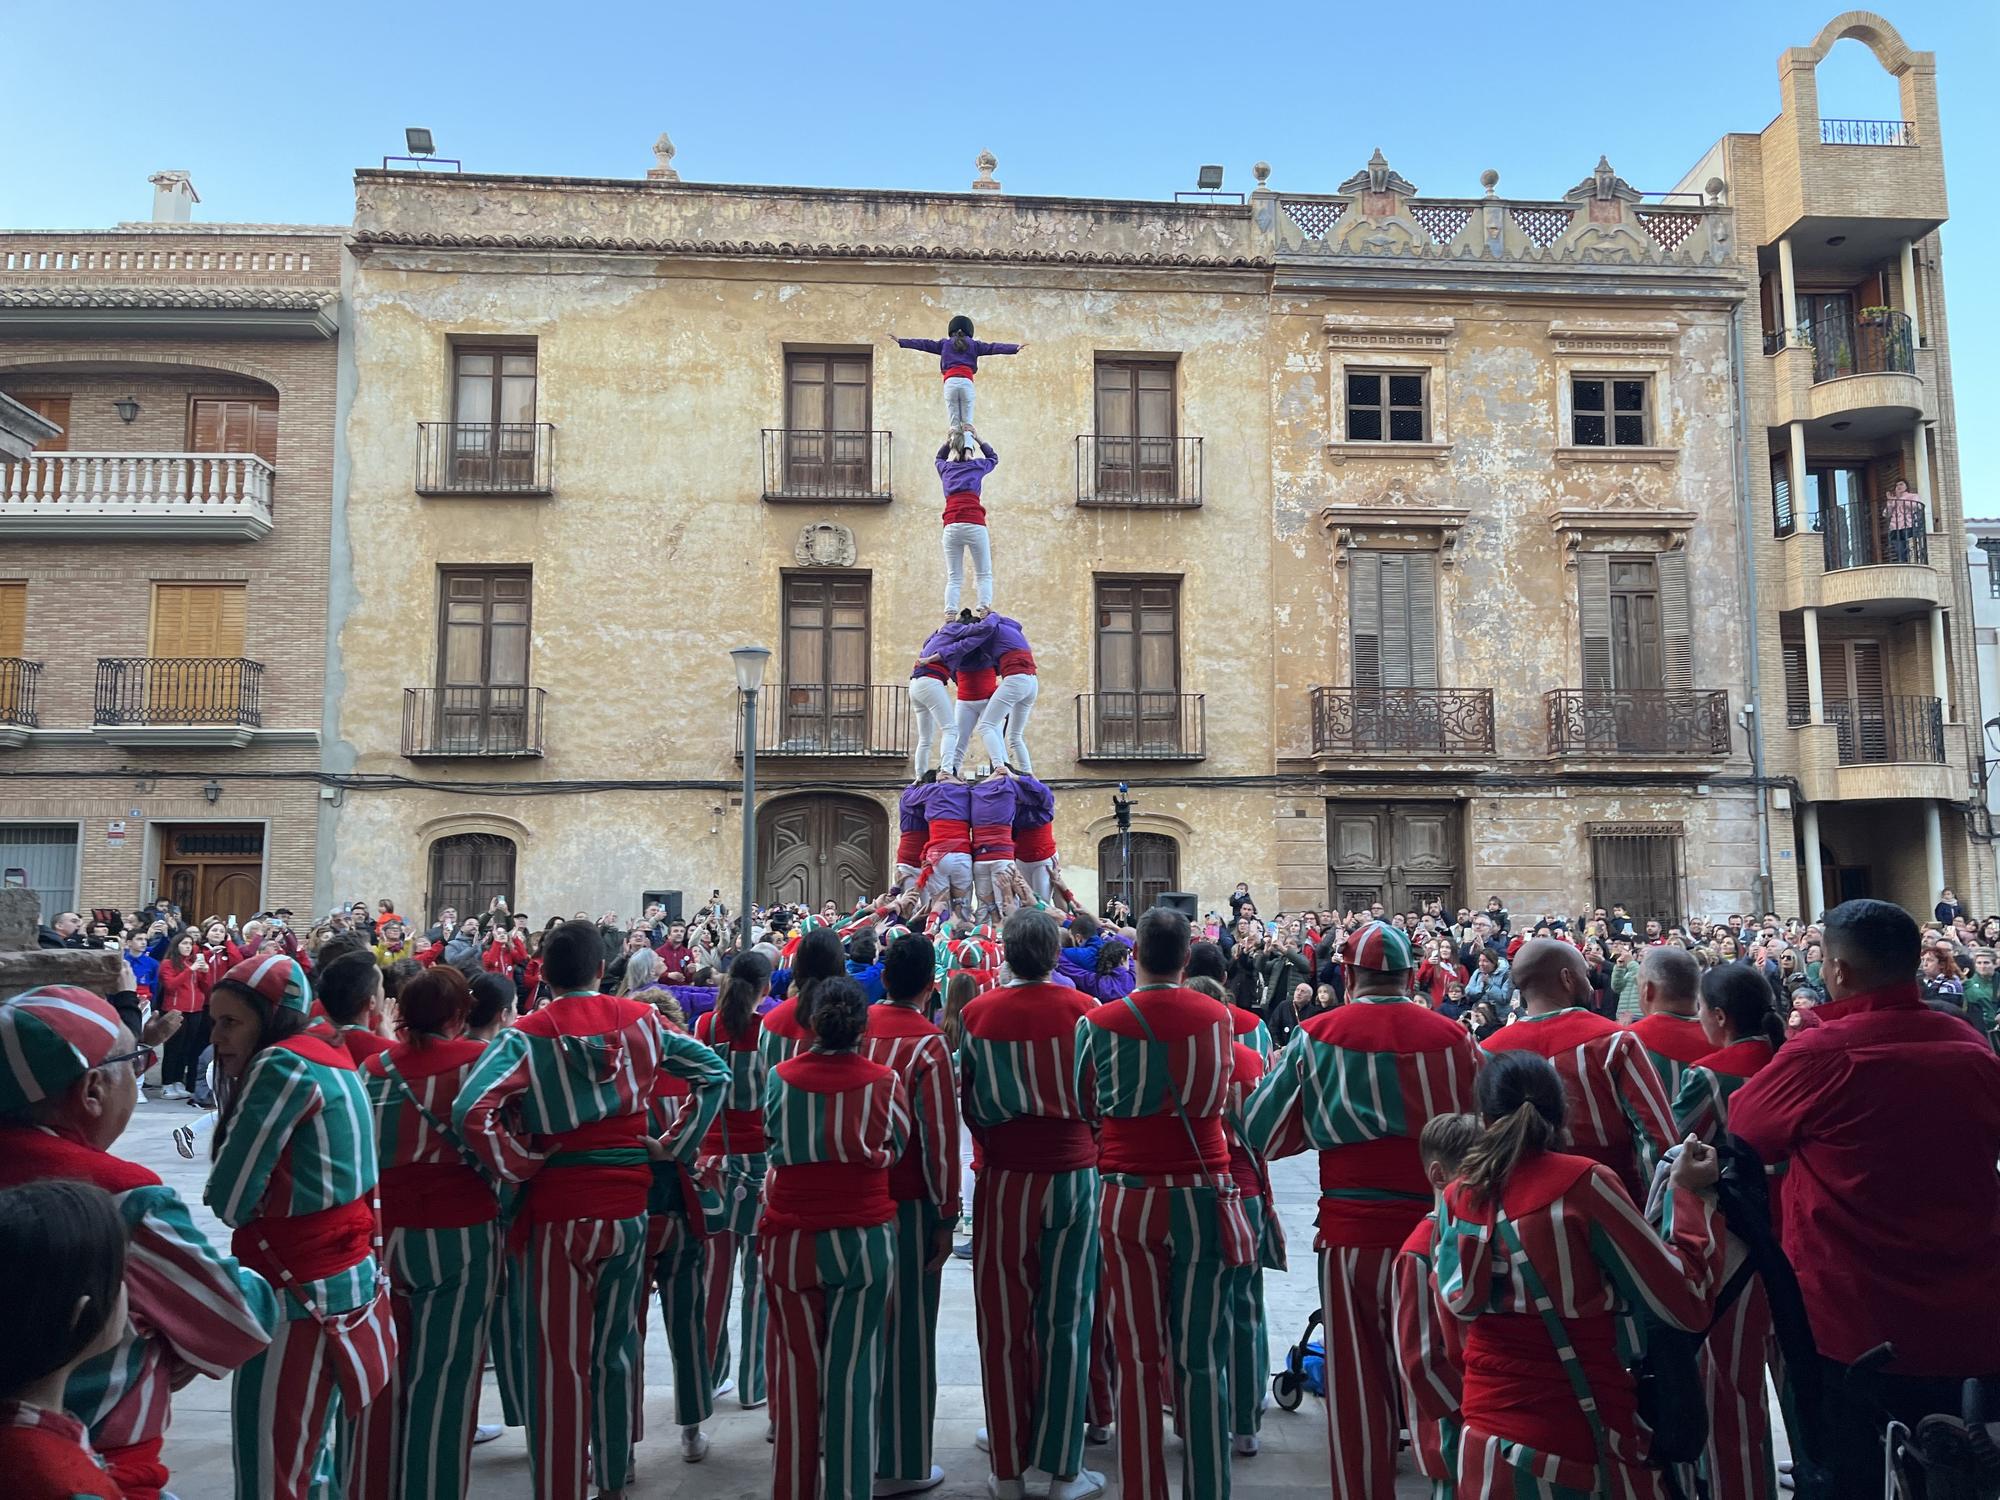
1377,945
49,1037
280,980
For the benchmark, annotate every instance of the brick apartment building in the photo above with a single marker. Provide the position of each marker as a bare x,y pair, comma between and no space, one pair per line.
163,559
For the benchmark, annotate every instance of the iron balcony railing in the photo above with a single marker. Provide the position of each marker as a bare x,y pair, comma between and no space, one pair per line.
1138,471
1127,725
1875,343
18,681
1774,340
1867,133
1402,721
1889,728
1638,721
829,720
815,465
179,690
490,721
1866,536
485,458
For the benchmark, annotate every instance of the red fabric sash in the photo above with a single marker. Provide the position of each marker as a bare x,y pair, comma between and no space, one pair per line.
910,848
1017,664
1387,1166
436,1195
1037,841
936,670
1153,1145
826,1195
948,836
963,372
906,1177
1040,1143
311,1247
560,1193
976,684
993,841
745,1138
1515,1386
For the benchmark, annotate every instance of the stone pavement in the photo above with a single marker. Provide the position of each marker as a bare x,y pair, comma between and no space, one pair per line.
1292,1464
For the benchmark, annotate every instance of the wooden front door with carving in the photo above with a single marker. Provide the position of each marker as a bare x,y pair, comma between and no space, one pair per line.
816,849
213,869
1402,854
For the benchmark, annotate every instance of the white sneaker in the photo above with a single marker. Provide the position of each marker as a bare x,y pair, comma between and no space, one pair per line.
1245,1444
694,1444
909,1486
173,1091
982,1441
487,1432
724,1387
1097,1434
184,1142
1005,1489
1083,1482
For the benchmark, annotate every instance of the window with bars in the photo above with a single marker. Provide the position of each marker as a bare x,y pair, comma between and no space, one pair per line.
1638,865
1610,412
1388,406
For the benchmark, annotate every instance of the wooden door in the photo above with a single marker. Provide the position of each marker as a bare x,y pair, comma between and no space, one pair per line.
195,674
482,681
811,850
1156,869
1857,704
213,869
1135,430
234,424
826,424
493,417
1402,854
468,870
826,679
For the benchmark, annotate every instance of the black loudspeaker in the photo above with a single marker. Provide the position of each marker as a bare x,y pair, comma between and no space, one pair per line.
671,900
1184,902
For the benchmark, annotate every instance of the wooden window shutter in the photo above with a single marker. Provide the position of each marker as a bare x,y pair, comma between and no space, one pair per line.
1593,617
1798,692
1676,622
1395,605
198,620
1422,567
1867,658
1781,496
13,618
1364,617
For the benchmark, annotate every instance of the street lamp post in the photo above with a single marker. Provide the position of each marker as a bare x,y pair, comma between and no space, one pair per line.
750,662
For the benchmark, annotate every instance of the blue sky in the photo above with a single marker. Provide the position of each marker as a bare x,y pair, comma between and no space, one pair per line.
271,107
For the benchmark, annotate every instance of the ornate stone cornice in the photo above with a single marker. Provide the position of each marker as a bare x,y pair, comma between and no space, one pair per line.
1576,524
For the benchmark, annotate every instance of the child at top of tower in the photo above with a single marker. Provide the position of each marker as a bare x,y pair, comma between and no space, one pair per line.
958,360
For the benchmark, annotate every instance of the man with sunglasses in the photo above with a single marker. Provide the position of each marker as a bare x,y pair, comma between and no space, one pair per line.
70,1086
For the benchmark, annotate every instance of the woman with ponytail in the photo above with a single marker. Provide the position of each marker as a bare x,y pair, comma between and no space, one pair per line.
1739,1014
1585,1265
787,1028
733,1160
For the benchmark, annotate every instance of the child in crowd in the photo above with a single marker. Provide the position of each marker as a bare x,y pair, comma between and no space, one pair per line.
958,359
1428,1355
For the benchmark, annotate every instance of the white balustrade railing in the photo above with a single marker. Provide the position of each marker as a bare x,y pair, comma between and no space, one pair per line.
137,484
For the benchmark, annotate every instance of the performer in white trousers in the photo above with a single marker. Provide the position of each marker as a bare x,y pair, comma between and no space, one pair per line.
1035,834
993,804
912,831
947,869
931,699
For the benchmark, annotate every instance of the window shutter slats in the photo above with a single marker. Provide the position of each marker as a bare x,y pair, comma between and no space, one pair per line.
13,619
1593,599
1798,694
1676,622
1364,613
1423,619
1395,606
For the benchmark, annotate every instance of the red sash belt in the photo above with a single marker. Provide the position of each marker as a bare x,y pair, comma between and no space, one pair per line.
1036,841
906,1177
1515,1386
436,1195
977,685
826,1195
910,848
1017,664
1040,1143
746,1134
962,371
936,670
948,836
993,841
562,1191
311,1247
1243,1167
1372,1193
1154,1145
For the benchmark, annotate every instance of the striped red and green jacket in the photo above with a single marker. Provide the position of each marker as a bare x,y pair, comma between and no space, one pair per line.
1358,1084
427,1183
1428,1353
1701,1107
300,1141
1130,1081
1673,1045
191,1307
1017,1078
739,1128
782,1035
913,1049
1618,1111
1251,1031
834,1124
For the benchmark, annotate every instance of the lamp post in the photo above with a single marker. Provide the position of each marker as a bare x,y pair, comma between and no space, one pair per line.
750,662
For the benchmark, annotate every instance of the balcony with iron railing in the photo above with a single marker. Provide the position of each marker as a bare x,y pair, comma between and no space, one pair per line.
1876,747
19,681
1639,723
488,723
194,496
1421,724
1150,726
1867,132
818,721
813,465
494,459
1864,557
1138,473
177,700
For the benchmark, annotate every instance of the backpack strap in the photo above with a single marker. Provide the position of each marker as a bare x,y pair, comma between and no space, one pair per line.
444,1131
1566,1354
1173,1095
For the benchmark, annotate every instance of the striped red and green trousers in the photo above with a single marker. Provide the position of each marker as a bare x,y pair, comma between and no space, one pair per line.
1163,1263
1356,1296
1035,1264
730,1250
828,1292
1739,1462
1249,1332
905,1414
677,1273
585,1290
414,1441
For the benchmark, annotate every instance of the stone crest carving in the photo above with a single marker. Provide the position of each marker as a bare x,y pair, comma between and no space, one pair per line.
825,545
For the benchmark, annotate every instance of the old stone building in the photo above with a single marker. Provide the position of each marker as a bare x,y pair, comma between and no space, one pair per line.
1864,625
163,559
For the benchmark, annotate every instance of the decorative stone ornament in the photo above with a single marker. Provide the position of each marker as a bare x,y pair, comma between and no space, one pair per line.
825,545
985,161
663,161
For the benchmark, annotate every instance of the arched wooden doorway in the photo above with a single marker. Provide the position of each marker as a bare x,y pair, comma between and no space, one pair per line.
468,870
1156,869
821,848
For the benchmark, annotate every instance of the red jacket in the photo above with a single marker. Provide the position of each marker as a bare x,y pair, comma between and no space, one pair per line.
183,988
1889,1113
501,955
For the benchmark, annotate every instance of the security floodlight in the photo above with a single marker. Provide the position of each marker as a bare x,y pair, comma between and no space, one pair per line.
419,141
1208,178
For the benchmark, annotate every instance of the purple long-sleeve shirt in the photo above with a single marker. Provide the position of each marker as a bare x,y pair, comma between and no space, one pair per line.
955,361
993,802
961,478
950,801
909,809
942,643
1034,803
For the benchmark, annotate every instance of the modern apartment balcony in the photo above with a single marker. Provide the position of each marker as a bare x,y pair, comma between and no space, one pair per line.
841,721
1138,473
1638,724
1854,378
191,496
151,701
1881,748
1852,559
1141,726
493,459
473,723
18,683
1421,728
814,465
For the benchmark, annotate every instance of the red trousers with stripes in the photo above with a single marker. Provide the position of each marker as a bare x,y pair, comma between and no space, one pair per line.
1356,1290
1739,1459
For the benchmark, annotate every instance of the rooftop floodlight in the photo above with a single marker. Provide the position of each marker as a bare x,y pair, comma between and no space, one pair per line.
1208,178
420,142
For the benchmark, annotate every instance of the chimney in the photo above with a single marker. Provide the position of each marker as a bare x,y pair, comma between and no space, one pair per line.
174,197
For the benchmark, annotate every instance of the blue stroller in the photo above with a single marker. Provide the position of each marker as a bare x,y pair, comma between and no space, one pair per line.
1305,1368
